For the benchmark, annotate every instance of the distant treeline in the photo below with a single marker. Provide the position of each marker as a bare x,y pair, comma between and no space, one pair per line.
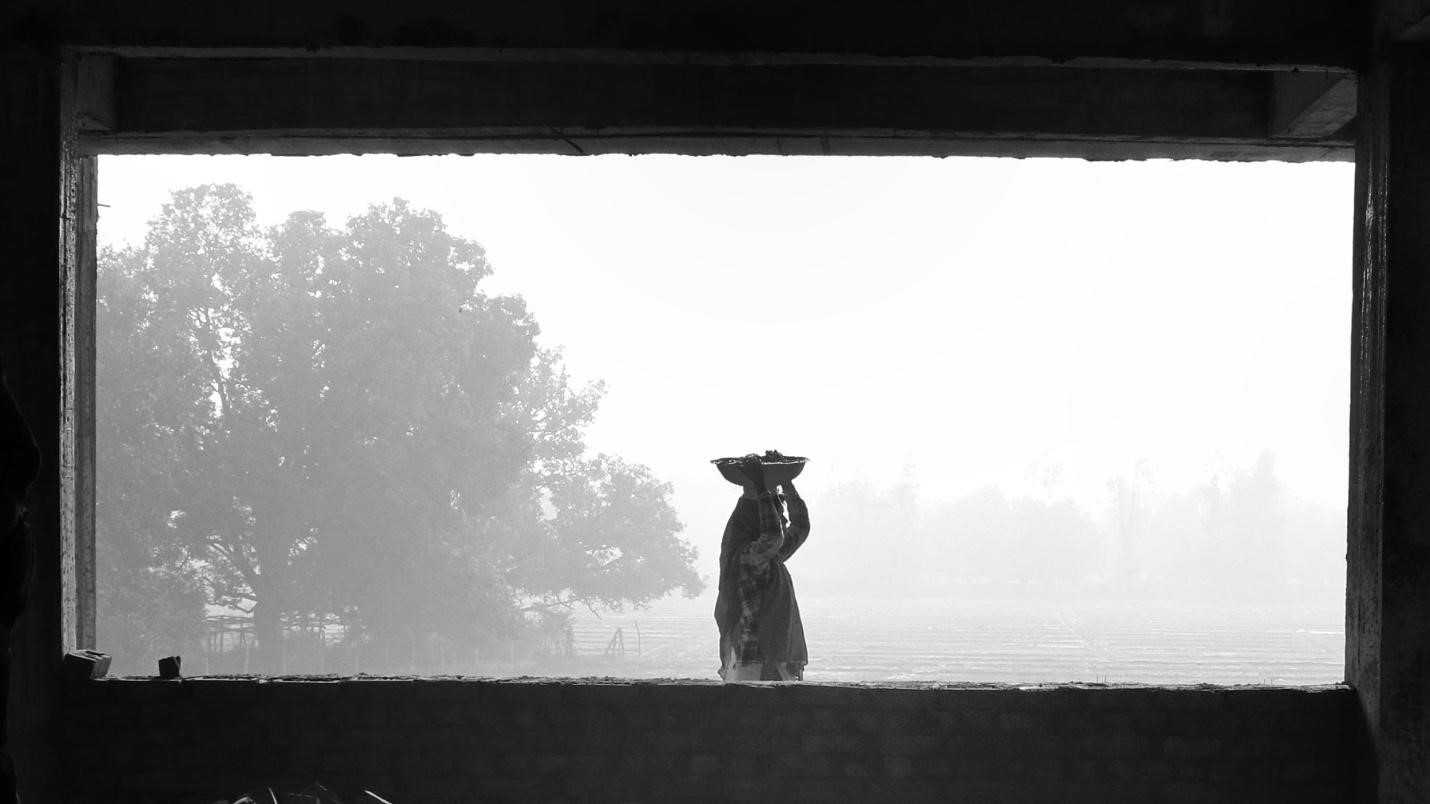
1240,535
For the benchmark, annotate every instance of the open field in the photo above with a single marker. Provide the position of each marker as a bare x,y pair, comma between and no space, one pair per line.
1012,641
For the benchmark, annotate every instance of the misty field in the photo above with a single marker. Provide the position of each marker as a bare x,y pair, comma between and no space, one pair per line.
343,442
1013,641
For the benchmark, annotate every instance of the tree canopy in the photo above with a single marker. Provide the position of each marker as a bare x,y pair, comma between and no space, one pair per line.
309,421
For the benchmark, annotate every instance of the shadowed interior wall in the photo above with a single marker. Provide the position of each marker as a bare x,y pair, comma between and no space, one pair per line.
436,740
200,740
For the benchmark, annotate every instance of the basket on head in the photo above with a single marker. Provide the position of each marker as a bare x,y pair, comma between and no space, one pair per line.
777,468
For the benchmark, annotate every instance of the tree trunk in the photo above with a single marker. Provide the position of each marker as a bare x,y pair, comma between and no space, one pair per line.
268,628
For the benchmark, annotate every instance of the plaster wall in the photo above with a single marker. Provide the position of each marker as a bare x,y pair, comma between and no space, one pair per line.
443,740
436,740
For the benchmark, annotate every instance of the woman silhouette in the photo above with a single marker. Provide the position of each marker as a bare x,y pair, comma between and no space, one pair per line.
761,635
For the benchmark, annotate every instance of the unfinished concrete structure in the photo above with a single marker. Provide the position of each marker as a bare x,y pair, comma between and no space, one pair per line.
1221,79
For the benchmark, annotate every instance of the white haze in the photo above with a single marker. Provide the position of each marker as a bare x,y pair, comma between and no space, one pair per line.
1040,326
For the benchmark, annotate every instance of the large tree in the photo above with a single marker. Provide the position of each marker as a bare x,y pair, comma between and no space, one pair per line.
361,432
150,404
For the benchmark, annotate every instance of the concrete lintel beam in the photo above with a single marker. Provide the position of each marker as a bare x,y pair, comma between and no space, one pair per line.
1402,21
689,108
1096,150
1311,106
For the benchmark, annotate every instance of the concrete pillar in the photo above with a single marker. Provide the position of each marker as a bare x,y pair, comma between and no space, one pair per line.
1388,583
38,238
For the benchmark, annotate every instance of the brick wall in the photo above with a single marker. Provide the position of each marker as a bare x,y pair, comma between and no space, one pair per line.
430,740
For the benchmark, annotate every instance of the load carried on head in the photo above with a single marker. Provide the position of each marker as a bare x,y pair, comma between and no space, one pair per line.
773,467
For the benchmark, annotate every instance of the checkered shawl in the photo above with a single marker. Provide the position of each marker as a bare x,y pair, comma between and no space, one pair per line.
778,540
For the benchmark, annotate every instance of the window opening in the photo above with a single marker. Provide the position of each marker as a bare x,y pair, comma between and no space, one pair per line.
1068,421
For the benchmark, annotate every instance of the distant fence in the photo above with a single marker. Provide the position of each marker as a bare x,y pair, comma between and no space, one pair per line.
1000,641
230,644
327,646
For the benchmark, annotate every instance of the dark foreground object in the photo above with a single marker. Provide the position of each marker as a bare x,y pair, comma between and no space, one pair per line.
314,793
79,665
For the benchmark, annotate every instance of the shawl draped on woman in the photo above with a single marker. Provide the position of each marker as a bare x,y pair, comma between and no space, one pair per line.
776,620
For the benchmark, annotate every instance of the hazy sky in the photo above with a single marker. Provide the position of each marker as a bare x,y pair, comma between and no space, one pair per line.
972,321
